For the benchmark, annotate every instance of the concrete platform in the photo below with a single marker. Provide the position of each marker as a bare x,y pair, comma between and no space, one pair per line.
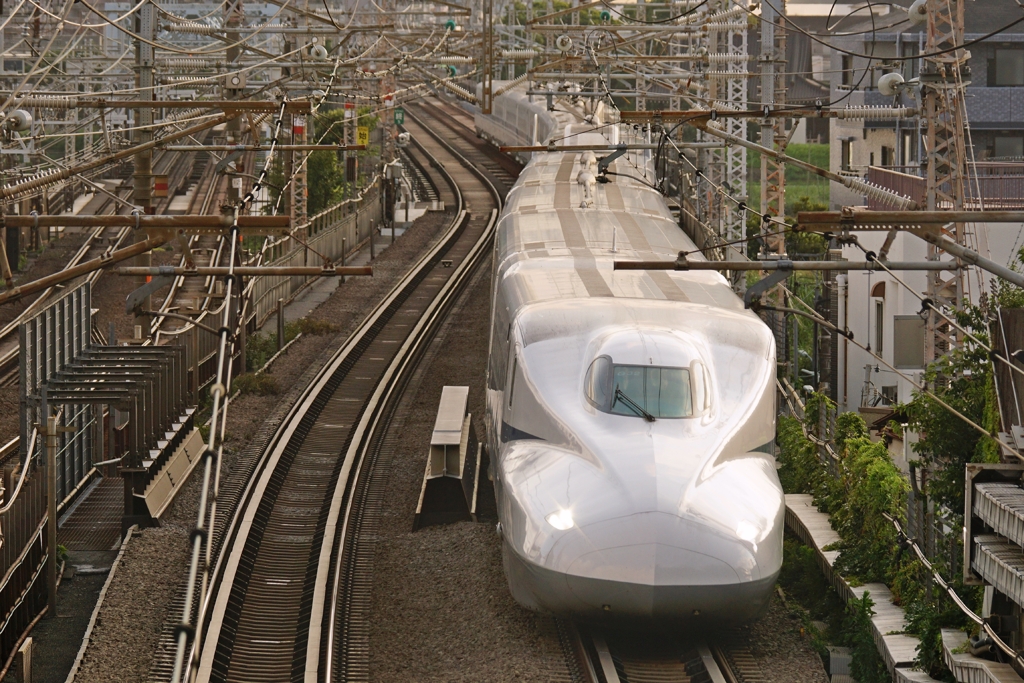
897,648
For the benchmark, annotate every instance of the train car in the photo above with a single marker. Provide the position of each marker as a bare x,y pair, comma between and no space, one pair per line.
630,413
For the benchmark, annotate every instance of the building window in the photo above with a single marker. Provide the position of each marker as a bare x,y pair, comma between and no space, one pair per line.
846,155
911,67
1007,68
879,325
1008,146
888,156
847,69
909,148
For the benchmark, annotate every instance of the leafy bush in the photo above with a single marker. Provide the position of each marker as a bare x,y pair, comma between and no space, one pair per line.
866,487
260,384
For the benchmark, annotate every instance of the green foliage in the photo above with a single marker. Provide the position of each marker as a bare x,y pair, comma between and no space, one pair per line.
262,346
801,185
866,488
846,625
805,243
314,326
62,553
873,488
260,384
962,379
326,181
867,665
1004,293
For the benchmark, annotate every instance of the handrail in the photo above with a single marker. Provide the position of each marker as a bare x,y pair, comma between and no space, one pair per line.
24,469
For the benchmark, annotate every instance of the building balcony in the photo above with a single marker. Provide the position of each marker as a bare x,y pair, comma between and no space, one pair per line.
989,185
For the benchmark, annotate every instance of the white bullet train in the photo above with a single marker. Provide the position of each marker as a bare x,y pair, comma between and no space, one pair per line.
630,414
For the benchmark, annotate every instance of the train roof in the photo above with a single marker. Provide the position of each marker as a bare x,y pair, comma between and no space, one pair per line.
548,247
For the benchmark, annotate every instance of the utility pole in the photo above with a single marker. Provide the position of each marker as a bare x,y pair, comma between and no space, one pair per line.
488,30
773,136
943,81
142,182
232,21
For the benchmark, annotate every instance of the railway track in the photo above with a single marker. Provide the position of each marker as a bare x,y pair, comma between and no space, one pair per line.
300,543
662,657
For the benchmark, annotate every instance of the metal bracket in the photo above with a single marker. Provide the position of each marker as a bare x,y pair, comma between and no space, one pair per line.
186,251
604,162
785,269
138,297
223,163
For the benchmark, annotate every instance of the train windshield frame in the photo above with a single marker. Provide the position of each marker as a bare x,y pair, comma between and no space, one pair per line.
651,391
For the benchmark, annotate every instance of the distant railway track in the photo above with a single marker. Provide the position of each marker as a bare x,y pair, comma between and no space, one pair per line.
300,543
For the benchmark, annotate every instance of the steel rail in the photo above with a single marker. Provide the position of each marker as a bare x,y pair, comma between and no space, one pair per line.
345,546
226,566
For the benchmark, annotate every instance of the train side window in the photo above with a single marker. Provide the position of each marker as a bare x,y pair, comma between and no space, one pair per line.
598,384
701,380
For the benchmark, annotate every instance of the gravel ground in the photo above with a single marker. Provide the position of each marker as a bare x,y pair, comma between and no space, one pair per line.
124,648
784,654
441,609
135,607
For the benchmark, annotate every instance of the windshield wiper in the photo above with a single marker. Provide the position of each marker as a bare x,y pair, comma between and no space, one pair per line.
621,396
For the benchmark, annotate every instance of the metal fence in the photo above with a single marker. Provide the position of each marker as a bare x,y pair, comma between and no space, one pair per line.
49,341
329,232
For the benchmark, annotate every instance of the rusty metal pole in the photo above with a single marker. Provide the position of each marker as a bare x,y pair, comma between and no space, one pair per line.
51,513
280,324
142,181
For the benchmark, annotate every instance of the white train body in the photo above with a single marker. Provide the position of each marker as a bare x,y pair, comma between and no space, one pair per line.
603,513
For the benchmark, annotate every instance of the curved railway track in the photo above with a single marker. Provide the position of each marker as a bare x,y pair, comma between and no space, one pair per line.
298,544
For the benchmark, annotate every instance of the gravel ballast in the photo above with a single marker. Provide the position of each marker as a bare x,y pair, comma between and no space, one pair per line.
135,607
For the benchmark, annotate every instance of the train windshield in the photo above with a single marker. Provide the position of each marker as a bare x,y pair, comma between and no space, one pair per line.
639,390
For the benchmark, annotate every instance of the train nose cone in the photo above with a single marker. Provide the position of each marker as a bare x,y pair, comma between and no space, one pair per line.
654,564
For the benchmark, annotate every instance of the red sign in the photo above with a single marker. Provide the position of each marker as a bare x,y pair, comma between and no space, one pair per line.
160,186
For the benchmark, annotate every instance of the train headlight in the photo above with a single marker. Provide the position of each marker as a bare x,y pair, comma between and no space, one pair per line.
746,531
561,520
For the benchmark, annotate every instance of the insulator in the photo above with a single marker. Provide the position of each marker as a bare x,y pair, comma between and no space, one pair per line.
727,58
191,27
179,79
728,74
453,59
875,113
726,15
458,90
518,80
34,182
518,54
181,115
726,26
881,194
46,102
189,63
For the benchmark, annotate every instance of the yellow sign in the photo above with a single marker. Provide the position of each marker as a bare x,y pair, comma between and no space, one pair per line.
362,135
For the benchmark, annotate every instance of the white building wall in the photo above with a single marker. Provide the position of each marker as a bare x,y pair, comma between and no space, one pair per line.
993,240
